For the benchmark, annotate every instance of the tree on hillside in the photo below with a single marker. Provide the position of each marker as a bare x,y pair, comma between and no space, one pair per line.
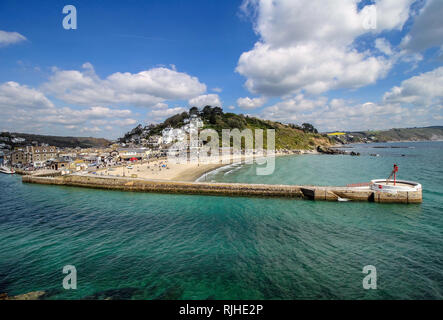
294,126
137,130
217,111
307,127
211,114
193,110
206,112
176,120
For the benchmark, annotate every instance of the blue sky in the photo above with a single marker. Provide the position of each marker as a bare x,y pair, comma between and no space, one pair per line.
290,60
204,39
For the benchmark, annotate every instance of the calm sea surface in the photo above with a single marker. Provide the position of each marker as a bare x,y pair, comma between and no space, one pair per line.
152,246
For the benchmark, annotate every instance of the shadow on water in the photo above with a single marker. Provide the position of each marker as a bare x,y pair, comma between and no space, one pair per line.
115,294
154,292
172,293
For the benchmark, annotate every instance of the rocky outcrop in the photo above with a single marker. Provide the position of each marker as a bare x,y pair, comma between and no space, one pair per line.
35,295
326,150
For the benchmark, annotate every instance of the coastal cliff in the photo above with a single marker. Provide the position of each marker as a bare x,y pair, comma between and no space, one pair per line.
433,133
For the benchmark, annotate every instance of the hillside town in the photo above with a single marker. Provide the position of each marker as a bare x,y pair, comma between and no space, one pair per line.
31,156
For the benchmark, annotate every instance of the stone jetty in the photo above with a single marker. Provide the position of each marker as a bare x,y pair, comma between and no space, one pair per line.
230,189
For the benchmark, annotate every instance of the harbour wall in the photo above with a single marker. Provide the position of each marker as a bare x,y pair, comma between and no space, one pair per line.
228,189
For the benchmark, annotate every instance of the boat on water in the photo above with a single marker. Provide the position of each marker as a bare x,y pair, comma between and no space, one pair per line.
6,170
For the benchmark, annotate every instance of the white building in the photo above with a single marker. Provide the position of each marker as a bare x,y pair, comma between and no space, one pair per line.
171,135
18,140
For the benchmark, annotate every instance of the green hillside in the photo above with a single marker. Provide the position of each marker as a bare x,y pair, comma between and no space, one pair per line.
408,134
291,137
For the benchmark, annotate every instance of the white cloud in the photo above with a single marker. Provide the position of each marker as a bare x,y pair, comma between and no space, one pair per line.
308,45
392,14
287,110
64,121
314,68
124,122
284,23
205,100
427,30
339,114
218,90
160,114
160,105
69,116
14,95
248,103
383,46
27,109
99,122
418,101
143,89
7,38
90,129
424,89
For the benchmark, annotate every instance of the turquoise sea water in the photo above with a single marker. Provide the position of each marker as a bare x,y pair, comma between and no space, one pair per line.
152,246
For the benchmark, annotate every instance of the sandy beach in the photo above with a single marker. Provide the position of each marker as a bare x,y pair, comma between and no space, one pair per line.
163,169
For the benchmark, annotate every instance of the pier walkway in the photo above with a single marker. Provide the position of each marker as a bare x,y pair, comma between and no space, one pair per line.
364,193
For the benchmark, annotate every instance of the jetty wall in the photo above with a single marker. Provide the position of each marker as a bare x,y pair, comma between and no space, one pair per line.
227,189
